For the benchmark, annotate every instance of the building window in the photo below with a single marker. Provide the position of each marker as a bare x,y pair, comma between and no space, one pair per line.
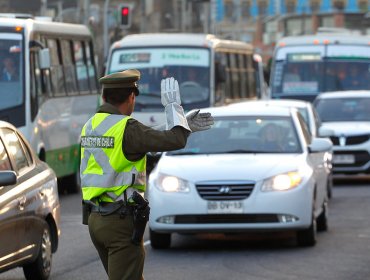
291,6
339,4
363,5
262,7
246,9
229,9
315,5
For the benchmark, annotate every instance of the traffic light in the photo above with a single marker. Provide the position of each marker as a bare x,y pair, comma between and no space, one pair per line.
125,16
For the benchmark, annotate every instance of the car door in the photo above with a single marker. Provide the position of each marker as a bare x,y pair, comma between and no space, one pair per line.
318,164
27,192
10,224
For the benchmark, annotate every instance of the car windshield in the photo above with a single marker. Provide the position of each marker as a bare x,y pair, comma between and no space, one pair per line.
11,61
343,109
252,134
190,66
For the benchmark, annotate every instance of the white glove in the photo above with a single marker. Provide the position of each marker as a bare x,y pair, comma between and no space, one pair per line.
170,92
199,121
170,98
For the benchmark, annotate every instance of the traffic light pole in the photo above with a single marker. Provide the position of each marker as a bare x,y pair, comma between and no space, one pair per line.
106,40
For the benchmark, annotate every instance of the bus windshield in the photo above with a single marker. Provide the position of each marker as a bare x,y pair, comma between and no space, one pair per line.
319,69
11,61
190,66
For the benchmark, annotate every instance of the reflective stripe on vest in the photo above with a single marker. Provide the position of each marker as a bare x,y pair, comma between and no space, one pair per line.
95,142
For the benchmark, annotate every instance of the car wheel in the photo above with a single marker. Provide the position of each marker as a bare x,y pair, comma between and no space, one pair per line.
41,267
307,237
329,187
160,240
322,220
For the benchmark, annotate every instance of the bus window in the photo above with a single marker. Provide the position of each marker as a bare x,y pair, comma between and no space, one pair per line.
243,75
251,77
68,66
234,76
81,67
91,66
56,69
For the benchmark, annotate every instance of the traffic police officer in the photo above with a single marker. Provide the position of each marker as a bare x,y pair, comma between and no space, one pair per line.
113,166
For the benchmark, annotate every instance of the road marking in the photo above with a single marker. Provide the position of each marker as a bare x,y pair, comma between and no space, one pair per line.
146,243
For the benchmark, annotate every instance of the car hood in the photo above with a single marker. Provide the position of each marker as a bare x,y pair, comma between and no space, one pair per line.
348,128
196,168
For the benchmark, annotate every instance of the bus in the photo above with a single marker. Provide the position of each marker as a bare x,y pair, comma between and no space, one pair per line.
48,88
331,60
210,71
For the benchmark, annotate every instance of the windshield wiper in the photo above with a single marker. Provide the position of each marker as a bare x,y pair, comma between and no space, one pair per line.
150,94
184,153
242,151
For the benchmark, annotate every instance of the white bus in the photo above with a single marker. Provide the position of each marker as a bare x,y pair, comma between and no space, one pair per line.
210,71
48,87
304,66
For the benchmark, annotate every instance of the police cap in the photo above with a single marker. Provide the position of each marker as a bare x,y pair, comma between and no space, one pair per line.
124,79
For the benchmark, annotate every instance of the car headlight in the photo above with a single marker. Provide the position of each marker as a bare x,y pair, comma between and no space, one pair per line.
167,183
282,182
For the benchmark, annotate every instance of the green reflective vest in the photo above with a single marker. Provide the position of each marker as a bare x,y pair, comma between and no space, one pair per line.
105,171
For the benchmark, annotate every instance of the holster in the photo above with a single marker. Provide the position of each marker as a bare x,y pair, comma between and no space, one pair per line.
141,217
141,211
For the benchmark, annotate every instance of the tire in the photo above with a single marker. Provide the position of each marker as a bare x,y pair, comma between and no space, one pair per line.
329,187
160,240
322,220
307,237
40,269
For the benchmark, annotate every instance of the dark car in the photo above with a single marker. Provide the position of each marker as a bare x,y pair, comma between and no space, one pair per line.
29,207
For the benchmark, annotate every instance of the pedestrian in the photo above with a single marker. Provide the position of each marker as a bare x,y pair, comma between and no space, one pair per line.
113,167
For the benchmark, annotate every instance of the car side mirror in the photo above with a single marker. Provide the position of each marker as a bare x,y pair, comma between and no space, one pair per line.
325,132
44,58
320,145
8,178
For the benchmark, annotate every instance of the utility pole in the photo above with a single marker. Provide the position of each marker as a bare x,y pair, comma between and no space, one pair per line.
143,17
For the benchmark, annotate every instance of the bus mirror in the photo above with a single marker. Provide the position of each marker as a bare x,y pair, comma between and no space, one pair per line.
220,73
44,58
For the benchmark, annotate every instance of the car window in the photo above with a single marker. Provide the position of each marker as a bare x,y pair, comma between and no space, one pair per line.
249,134
16,149
4,159
306,133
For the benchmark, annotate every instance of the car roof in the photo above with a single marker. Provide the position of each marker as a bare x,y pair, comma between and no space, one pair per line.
274,102
228,110
344,94
7,124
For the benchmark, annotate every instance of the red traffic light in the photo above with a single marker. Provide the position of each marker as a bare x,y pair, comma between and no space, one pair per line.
125,11
125,16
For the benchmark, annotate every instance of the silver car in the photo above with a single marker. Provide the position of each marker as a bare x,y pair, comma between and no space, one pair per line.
254,170
347,115
29,207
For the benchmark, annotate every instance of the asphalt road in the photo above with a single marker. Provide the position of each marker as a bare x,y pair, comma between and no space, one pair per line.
342,253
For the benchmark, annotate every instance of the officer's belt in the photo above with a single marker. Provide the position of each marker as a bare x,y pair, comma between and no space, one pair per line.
107,208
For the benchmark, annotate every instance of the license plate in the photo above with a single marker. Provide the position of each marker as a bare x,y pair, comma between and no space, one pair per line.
344,159
221,207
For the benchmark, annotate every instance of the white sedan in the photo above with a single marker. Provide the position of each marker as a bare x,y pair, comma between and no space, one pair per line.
254,170
347,115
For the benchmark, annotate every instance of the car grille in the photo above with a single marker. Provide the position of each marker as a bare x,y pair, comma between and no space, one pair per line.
361,158
225,191
351,140
226,219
